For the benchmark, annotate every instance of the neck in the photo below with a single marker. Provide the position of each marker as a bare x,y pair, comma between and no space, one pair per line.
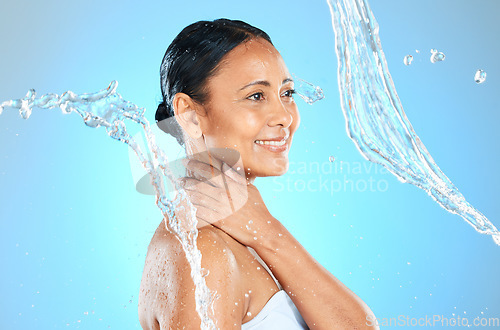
199,149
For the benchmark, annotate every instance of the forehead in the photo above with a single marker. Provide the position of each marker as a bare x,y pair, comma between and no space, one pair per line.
256,58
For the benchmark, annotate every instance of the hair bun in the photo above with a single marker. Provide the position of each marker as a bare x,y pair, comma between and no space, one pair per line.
162,112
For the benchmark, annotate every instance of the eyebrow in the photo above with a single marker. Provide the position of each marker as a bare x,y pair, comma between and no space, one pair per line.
265,83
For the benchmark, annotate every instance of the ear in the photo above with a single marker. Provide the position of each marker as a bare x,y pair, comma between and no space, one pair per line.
185,114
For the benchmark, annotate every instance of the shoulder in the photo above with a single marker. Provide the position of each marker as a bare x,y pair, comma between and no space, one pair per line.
168,283
167,247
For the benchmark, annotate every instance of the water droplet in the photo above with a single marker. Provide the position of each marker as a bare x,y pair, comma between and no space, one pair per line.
247,227
331,159
246,295
249,314
480,76
255,238
280,234
408,59
437,56
250,221
258,268
307,91
204,272
417,51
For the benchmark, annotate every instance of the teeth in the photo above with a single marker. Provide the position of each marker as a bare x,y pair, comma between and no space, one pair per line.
271,143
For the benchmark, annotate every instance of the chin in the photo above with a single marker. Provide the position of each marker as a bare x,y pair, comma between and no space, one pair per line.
276,170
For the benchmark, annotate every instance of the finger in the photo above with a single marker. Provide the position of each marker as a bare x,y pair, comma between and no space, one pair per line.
207,195
227,155
236,186
217,193
205,160
204,171
238,176
188,182
216,156
198,165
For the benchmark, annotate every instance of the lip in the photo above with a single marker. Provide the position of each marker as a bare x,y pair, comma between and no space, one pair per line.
272,148
278,138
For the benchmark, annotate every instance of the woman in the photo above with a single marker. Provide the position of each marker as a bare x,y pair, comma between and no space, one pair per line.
229,89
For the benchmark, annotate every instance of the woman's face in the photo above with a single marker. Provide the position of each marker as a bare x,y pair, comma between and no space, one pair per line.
251,104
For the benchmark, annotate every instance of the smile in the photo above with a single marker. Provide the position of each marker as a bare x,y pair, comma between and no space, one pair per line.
275,146
272,143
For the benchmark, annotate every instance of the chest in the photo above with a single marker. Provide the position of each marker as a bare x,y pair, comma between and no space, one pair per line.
257,283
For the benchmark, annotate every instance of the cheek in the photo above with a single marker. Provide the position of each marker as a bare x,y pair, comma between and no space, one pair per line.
252,125
239,131
246,127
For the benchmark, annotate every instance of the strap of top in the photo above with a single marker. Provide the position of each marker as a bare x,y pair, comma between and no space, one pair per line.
259,259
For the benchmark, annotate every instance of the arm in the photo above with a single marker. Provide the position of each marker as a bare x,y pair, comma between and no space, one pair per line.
322,300
175,291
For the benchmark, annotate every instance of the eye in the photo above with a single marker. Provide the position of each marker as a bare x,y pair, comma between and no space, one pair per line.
289,93
256,96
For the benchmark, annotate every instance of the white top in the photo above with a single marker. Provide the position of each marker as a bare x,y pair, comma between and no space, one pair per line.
279,312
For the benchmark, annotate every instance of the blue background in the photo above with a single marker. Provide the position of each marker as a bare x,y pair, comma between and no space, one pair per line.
74,232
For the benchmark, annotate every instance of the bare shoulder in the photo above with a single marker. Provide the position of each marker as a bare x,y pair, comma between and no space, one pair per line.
167,294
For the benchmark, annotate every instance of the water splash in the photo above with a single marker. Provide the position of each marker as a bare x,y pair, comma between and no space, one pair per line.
408,59
436,56
307,91
480,76
374,115
108,109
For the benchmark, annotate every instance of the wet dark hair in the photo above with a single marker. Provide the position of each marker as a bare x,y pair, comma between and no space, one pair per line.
193,57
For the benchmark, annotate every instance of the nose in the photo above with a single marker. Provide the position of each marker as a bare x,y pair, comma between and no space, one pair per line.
281,114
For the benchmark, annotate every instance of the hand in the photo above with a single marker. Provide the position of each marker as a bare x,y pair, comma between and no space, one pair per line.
224,198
